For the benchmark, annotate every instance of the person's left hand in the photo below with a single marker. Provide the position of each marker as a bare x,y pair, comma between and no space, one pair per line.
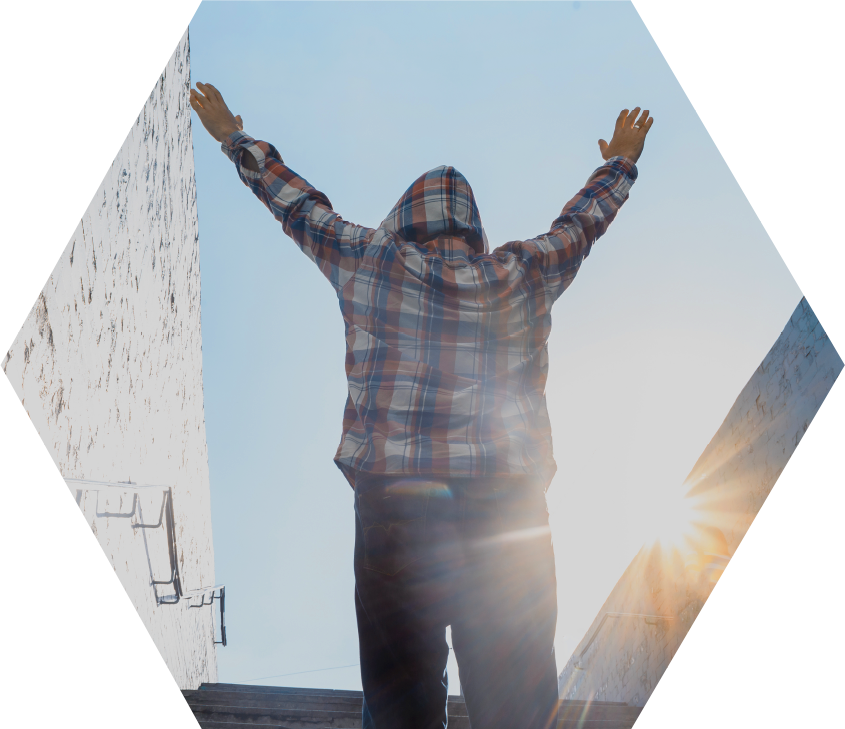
213,112
628,136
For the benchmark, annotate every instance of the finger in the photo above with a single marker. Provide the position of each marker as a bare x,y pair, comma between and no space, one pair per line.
642,120
620,120
602,147
631,118
208,93
647,125
217,95
196,103
201,98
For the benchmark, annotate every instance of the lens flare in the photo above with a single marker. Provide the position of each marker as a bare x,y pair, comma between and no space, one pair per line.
670,518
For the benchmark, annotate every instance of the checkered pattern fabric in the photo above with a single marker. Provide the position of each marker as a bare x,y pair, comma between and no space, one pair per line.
446,341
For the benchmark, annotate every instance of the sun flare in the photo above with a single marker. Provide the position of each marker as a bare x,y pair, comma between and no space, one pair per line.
673,520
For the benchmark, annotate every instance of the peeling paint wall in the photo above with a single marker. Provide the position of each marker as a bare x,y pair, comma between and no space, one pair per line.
109,368
623,657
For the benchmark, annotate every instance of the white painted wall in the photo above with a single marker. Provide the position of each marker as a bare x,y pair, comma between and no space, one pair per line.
109,367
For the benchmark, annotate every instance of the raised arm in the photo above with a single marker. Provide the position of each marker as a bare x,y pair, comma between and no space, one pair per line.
306,214
585,218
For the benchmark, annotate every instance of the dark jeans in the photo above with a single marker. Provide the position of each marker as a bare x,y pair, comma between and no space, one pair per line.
475,554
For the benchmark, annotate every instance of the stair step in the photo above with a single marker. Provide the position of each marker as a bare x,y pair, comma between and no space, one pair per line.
456,705
322,719
240,725
290,708
249,688
596,724
291,700
249,712
305,701
597,711
256,716
237,706
461,723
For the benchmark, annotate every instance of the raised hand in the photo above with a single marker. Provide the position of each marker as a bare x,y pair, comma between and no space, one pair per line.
628,135
213,112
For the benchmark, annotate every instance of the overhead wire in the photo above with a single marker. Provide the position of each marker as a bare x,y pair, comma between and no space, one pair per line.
297,673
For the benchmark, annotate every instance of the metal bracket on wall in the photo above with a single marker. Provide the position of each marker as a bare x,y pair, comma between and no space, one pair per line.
165,518
201,593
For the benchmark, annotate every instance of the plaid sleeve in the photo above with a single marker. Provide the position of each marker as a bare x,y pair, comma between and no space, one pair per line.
585,218
306,214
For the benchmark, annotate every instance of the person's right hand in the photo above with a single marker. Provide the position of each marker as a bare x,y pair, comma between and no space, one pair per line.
213,112
628,136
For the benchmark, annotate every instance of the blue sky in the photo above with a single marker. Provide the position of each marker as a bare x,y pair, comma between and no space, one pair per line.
664,324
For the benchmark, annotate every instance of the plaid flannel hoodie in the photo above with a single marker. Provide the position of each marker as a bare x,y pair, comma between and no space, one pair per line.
446,341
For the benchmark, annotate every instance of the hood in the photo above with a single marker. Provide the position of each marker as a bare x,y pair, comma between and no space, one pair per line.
439,201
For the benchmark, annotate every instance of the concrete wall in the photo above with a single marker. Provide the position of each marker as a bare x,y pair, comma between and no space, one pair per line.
740,465
623,658
109,367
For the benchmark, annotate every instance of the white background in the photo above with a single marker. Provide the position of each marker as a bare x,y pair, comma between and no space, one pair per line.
764,79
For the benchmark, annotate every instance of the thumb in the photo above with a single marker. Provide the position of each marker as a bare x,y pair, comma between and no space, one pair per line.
240,122
602,147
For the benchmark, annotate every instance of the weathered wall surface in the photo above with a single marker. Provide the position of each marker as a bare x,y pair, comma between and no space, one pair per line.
623,657
109,366
740,465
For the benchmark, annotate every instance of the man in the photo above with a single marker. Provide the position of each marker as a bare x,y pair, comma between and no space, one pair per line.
446,437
